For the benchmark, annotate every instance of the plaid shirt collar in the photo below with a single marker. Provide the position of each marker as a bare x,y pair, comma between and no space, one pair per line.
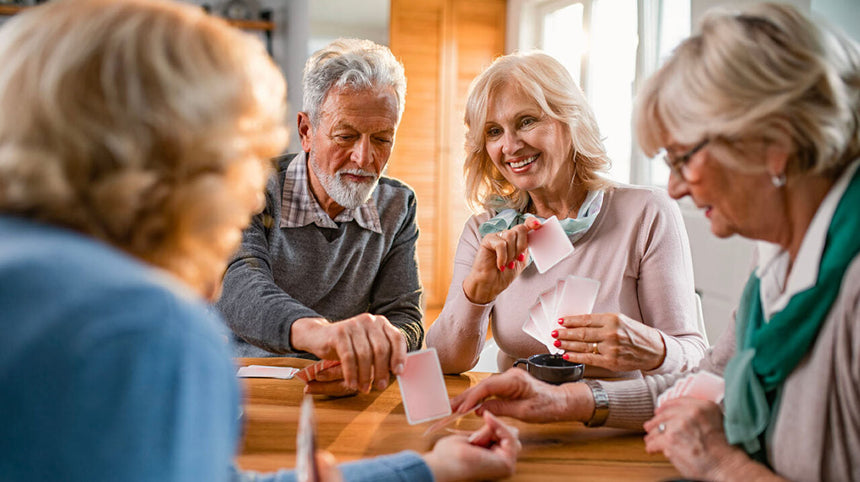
300,208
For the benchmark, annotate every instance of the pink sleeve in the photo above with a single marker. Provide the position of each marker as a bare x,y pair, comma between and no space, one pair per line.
459,333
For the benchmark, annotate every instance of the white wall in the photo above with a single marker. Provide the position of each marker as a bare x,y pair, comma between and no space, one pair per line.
844,14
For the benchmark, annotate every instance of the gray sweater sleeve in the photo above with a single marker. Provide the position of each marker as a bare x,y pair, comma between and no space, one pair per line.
254,307
397,290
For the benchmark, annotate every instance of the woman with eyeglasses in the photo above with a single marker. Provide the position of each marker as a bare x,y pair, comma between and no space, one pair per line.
534,151
760,118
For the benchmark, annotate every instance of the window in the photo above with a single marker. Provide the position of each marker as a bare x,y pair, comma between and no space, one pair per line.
609,47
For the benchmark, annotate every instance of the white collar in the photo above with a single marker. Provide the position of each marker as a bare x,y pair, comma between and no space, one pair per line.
773,260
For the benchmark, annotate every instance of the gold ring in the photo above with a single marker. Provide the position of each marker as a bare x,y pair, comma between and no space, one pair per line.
594,348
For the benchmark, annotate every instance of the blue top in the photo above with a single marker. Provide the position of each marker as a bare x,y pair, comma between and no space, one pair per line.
113,370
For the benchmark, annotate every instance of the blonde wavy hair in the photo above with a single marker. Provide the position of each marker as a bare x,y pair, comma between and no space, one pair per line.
146,124
546,81
754,75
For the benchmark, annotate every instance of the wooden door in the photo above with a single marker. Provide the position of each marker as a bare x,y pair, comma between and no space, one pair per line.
443,45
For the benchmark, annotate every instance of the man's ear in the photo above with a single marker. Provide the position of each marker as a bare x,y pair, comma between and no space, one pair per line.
306,130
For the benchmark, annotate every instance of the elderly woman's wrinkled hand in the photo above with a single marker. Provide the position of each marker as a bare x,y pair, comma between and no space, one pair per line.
610,340
517,394
490,453
689,432
499,260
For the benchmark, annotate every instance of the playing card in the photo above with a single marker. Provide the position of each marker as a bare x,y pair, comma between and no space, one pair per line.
264,371
439,424
577,296
702,385
549,245
306,466
548,301
422,387
532,325
538,328
310,372
706,386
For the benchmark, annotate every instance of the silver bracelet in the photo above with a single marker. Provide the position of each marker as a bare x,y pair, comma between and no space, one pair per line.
601,404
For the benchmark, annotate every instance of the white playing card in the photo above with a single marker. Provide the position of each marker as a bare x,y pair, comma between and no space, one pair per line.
706,386
548,301
532,326
306,466
538,328
264,371
577,296
549,245
702,385
422,387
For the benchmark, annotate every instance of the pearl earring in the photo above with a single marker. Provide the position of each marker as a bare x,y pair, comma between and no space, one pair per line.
778,180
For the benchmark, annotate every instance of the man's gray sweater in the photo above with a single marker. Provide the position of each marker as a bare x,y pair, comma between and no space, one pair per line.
282,274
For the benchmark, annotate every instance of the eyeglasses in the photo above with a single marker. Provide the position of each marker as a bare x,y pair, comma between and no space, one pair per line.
678,164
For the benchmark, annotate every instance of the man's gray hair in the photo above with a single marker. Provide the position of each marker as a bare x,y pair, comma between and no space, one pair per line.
352,64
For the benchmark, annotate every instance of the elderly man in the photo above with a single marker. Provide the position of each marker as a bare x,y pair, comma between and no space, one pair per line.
329,267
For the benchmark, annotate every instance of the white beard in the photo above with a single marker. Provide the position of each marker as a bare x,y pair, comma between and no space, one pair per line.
346,193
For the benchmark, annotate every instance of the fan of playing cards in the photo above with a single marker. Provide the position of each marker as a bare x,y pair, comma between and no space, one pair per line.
573,295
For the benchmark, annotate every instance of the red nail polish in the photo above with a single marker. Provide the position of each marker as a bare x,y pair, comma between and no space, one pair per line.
511,265
554,333
561,321
565,356
521,257
502,268
557,343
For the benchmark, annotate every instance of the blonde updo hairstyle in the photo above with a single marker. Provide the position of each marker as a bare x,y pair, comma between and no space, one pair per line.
753,76
144,123
545,80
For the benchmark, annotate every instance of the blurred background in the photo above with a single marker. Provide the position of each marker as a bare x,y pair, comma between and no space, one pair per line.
610,46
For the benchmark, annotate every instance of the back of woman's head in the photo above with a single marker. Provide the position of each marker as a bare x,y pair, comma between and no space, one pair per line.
546,81
764,73
144,123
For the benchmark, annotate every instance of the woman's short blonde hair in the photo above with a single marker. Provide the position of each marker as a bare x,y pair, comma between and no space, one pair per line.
764,72
147,124
546,81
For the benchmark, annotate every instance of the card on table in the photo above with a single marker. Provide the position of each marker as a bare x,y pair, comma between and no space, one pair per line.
263,371
306,465
422,387
549,244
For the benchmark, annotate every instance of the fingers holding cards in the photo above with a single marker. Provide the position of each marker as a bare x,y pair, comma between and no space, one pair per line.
573,295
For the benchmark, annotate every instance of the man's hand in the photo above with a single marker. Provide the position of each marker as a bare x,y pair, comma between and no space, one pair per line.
368,346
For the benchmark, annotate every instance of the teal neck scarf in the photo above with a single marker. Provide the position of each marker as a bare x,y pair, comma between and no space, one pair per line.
768,352
574,227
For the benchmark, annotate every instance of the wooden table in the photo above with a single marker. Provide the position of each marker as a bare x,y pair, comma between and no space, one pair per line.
375,424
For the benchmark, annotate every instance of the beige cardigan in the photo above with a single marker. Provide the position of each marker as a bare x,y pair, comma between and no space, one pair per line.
817,432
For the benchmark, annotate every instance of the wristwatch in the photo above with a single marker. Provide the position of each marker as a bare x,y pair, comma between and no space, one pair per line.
601,404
